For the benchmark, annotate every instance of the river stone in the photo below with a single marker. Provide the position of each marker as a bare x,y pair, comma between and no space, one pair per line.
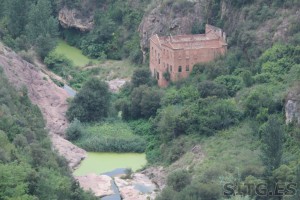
100,185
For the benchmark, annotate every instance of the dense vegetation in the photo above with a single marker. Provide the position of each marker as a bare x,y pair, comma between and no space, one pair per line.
232,107
29,169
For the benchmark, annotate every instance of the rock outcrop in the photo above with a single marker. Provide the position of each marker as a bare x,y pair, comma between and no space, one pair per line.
100,185
72,18
139,187
51,99
292,106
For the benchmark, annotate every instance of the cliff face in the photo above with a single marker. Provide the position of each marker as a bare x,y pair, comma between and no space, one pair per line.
170,18
292,105
73,18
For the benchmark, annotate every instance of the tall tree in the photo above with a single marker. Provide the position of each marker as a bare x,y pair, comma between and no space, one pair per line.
42,27
272,135
17,11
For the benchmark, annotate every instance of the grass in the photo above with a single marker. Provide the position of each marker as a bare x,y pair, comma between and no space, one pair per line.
111,137
230,154
74,54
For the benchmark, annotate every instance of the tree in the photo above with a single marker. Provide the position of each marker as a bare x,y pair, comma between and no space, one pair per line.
144,102
272,138
92,102
140,77
210,88
42,27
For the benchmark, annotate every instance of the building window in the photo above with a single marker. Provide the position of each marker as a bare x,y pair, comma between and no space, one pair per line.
179,69
158,58
187,68
157,75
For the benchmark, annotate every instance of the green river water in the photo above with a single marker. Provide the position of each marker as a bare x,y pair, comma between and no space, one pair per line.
105,162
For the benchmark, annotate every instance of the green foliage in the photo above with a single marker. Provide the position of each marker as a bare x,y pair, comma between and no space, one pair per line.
75,130
58,63
210,88
144,102
260,99
272,149
232,83
110,137
42,27
140,76
29,168
178,180
91,103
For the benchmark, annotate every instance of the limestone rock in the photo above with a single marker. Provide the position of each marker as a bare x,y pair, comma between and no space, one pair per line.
292,106
140,187
72,18
100,185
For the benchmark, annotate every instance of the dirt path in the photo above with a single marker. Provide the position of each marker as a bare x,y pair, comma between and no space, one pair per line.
51,99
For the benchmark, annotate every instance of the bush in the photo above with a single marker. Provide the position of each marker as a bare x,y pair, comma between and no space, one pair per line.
58,63
178,180
75,130
140,76
232,83
210,88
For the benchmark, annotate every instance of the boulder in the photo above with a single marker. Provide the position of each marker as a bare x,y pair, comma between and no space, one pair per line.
72,18
140,187
100,185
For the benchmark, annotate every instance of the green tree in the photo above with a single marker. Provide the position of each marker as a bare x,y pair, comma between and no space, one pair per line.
91,103
272,148
144,102
210,88
42,27
140,76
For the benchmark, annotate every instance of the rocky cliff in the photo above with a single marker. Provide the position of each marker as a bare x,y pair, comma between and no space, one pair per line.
73,18
292,105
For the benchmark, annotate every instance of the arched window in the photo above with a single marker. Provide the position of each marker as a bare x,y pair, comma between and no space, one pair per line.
179,69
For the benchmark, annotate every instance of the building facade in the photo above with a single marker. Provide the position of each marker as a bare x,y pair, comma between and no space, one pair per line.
172,57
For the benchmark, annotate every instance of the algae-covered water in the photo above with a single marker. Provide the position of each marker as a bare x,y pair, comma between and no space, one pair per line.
106,162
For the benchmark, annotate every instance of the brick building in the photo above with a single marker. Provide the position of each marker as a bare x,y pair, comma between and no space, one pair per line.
178,54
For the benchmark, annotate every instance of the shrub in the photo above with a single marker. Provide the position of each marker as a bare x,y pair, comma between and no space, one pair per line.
75,130
140,76
210,88
179,180
232,83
